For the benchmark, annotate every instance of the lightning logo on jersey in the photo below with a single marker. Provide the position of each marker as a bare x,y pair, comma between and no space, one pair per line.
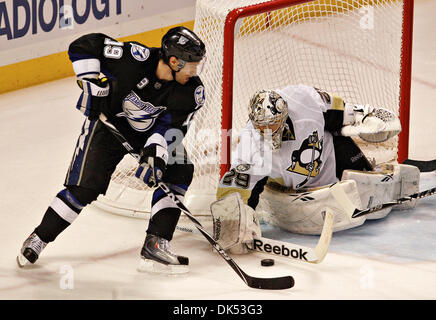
307,160
139,114
138,52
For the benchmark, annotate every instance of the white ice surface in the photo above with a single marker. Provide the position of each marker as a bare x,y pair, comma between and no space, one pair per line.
393,258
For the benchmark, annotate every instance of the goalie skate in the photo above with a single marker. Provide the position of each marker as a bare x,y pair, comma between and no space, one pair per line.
156,257
31,249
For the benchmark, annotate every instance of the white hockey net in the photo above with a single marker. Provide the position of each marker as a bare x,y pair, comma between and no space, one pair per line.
352,48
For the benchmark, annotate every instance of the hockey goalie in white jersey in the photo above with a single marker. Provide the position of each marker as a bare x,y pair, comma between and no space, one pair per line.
295,145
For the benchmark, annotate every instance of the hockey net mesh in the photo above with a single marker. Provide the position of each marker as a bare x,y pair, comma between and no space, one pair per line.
346,47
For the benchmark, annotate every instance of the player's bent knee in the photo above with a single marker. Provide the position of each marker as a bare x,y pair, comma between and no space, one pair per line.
84,195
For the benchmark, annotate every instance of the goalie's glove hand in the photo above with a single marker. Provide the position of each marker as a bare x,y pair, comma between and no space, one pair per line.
355,114
361,112
369,123
94,96
152,164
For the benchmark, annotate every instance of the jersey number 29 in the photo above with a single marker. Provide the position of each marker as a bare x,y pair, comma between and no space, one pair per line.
241,179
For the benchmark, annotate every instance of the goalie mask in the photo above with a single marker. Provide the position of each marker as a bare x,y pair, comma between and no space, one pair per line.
268,113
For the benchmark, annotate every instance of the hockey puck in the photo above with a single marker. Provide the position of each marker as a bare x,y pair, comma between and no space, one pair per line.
267,262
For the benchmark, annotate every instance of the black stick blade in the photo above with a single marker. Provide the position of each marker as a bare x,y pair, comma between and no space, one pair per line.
358,213
423,166
280,283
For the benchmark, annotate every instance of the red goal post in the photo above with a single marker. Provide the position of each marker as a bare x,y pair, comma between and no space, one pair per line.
268,6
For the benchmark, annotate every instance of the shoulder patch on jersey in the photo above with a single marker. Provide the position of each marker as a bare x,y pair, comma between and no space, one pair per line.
140,115
199,95
138,52
324,96
288,130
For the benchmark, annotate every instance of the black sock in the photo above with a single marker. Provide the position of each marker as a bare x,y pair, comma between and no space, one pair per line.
63,210
51,226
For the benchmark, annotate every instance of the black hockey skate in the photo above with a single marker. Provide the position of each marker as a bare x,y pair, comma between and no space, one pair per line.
30,250
156,257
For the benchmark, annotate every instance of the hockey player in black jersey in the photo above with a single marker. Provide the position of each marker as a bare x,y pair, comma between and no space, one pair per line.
150,95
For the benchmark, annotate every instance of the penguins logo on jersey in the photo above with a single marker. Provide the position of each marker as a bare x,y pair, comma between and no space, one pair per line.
307,160
139,114
138,52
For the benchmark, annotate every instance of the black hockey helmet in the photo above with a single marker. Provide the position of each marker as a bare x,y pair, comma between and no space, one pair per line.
183,44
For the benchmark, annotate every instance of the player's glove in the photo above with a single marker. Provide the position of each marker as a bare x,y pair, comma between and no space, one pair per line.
152,165
94,96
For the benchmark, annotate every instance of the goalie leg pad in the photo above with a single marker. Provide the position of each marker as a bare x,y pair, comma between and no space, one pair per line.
234,223
387,183
407,183
374,188
304,212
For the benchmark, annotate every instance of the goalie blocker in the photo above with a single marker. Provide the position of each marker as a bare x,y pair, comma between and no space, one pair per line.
234,223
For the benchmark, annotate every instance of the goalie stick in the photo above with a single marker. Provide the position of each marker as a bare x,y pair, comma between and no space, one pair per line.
277,283
423,166
351,209
287,249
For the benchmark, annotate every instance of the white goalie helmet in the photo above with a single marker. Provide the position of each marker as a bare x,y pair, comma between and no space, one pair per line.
268,113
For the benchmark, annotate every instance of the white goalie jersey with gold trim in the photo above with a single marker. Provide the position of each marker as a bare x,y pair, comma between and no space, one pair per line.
305,158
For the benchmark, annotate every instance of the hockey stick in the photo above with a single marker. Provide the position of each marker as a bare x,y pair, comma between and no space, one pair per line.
351,209
253,282
423,166
284,282
287,249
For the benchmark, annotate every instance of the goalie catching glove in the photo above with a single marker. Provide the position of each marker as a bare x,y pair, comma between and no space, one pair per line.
152,165
369,123
234,224
95,94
